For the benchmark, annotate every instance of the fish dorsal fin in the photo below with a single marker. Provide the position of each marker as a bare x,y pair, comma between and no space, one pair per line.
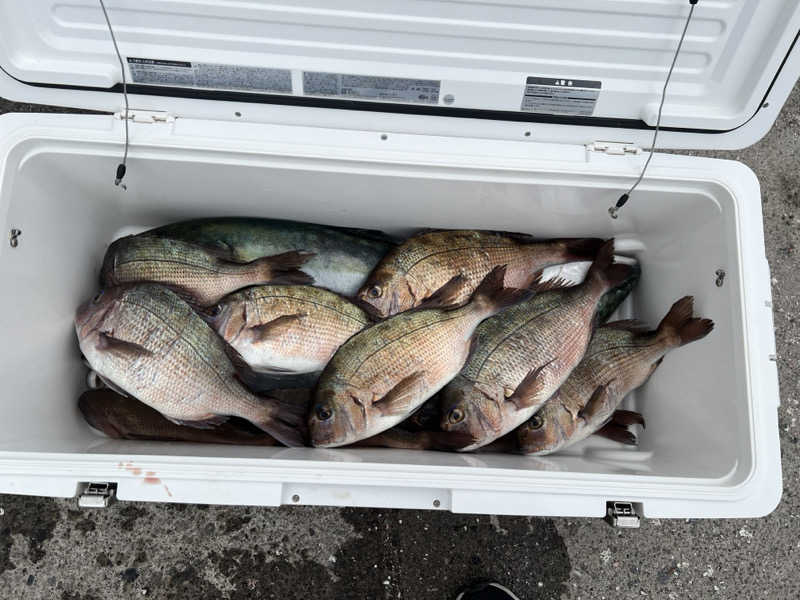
209,422
276,328
398,400
557,283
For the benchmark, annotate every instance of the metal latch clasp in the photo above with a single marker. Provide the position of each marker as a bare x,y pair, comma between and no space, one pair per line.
622,514
614,148
97,495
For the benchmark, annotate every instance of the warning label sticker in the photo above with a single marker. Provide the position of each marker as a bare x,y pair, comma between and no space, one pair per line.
367,87
560,96
209,75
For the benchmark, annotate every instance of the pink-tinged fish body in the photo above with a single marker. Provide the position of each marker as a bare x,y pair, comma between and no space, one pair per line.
619,359
416,269
522,356
382,374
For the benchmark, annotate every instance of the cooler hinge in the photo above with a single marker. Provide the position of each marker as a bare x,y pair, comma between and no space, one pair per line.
146,116
614,148
97,495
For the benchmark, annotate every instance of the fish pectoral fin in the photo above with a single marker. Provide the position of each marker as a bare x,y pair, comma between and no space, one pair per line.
618,433
627,417
446,296
527,393
108,343
206,422
276,328
113,386
595,404
397,401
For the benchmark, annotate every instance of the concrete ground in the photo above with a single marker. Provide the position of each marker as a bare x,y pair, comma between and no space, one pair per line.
50,549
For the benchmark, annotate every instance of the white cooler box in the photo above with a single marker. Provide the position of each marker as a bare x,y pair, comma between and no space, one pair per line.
454,119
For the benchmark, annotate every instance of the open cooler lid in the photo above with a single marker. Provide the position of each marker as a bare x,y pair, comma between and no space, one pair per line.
558,70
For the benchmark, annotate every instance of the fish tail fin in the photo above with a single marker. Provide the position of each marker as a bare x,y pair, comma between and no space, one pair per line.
283,418
284,268
604,274
681,326
492,296
574,249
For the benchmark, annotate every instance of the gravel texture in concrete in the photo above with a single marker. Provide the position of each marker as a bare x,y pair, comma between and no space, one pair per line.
50,549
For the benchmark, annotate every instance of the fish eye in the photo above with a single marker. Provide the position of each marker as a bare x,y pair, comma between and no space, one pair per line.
215,310
535,422
324,412
98,297
375,291
456,416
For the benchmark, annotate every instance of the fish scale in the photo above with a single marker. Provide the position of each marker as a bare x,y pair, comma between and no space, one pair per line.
152,345
424,263
385,372
523,355
302,345
619,359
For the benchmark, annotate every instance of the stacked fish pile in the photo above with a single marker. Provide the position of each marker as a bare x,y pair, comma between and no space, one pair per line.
258,331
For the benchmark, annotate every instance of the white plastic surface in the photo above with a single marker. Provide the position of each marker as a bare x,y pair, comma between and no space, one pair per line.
482,52
711,445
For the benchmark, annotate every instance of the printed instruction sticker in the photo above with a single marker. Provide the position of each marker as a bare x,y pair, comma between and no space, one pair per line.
575,97
368,87
209,75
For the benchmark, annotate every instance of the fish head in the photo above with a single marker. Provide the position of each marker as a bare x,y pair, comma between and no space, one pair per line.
386,292
468,407
546,431
337,417
92,314
108,326
227,318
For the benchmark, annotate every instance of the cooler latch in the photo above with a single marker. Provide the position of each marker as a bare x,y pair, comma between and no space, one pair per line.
97,495
146,116
614,148
622,514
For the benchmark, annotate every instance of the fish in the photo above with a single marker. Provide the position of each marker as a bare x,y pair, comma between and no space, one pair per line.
425,418
616,429
403,439
147,343
385,372
286,329
613,298
415,269
124,418
342,258
201,274
621,357
522,356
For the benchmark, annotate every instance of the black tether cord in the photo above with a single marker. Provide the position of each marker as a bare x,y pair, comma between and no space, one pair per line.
626,196
123,166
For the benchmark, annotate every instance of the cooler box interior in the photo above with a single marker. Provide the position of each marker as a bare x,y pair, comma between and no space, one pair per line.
710,447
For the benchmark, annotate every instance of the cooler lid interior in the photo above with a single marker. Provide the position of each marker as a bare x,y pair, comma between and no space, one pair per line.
563,62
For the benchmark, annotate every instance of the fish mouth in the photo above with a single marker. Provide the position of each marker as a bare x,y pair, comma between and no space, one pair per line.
372,311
